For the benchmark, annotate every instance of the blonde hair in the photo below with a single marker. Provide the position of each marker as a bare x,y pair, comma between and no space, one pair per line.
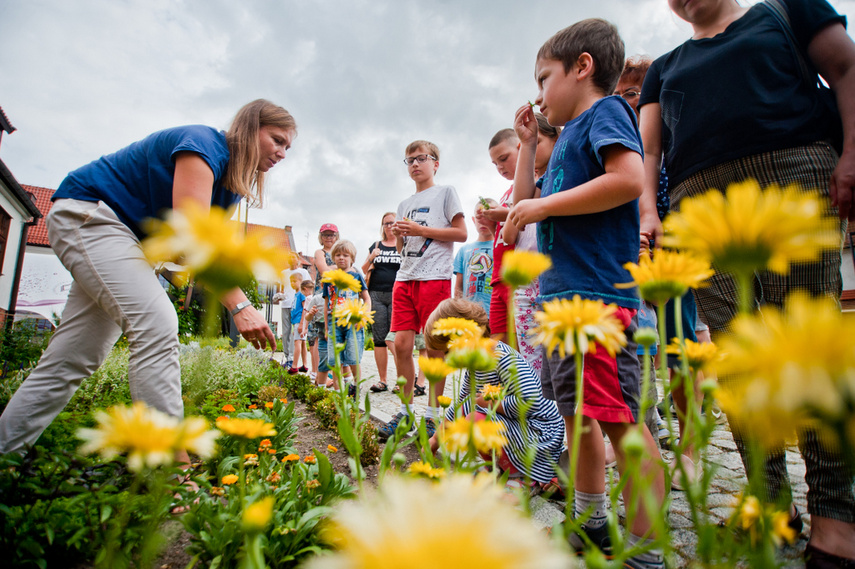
242,175
454,308
383,227
344,246
432,149
503,135
307,284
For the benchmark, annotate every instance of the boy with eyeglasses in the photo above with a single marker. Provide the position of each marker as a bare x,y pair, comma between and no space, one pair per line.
427,224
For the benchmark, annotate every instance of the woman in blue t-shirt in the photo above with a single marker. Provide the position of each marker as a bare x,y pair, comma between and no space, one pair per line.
734,102
95,227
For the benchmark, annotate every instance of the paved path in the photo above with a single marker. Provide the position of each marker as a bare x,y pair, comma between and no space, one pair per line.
722,455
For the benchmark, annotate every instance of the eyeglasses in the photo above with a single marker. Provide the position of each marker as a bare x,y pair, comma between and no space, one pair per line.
421,159
328,234
387,223
630,94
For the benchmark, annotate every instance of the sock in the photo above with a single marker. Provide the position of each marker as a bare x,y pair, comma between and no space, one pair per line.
594,502
405,409
438,413
651,559
429,412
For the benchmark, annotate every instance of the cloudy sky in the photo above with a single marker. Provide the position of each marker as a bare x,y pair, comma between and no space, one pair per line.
362,78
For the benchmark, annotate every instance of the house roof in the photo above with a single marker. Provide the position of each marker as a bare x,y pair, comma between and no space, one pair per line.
283,237
5,124
24,198
38,233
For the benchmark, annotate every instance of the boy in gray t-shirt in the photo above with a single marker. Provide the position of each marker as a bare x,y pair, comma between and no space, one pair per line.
427,225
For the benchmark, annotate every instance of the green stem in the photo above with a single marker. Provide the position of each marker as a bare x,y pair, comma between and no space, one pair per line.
512,326
577,427
745,291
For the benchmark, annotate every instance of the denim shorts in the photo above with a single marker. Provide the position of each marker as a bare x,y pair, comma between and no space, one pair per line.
354,345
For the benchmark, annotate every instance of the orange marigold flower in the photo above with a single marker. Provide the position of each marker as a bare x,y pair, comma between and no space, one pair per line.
222,418
253,406
312,484
271,451
269,405
217,490
264,443
332,448
310,459
229,479
284,401
228,408
290,457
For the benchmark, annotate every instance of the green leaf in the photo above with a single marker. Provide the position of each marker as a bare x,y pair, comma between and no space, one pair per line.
325,471
105,513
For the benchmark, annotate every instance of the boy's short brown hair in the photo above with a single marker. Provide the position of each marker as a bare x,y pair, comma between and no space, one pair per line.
454,308
596,37
307,284
429,146
344,246
502,136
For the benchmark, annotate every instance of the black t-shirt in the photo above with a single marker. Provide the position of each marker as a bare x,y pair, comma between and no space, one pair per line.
386,265
739,93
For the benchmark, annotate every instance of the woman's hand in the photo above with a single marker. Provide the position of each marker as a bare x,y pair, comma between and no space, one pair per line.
253,327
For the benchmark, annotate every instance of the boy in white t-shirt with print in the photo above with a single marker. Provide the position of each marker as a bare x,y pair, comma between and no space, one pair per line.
427,224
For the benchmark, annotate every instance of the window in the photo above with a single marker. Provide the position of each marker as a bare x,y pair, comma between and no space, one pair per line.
5,221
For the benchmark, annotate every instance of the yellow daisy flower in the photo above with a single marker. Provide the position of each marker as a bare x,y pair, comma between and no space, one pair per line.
353,313
435,369
454,327
752,229
342,280
150,437
229,479
668,275
444,401
424,469
781,530
247,428
698,354
520,268
492,392
791,368
455,435
257,515
489,436
579,323
485,531
472,353
214,248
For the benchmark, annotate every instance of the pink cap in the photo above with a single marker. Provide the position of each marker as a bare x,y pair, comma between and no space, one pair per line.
328,227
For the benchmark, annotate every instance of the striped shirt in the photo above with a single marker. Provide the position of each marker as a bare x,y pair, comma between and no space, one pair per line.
544,424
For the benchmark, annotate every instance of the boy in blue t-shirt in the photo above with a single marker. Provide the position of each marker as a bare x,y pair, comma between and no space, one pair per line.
587,220
301,353
473,263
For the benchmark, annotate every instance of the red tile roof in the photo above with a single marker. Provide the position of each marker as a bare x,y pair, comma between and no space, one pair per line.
282,237
38,233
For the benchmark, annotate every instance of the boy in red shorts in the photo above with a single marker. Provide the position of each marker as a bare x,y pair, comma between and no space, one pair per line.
427,224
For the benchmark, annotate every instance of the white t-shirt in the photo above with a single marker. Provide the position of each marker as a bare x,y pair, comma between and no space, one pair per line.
287,295
426,259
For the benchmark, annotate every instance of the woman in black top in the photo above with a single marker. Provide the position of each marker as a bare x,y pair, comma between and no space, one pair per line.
383,262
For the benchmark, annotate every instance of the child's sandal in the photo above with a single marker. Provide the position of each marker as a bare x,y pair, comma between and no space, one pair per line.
379,387
419,390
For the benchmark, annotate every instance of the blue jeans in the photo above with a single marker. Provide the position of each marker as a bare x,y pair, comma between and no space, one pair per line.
354,345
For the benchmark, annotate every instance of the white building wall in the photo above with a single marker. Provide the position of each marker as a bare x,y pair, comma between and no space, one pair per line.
10,260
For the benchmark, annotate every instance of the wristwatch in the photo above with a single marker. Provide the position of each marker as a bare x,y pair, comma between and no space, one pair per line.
240,307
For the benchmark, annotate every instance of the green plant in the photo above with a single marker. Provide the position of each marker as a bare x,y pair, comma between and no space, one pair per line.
21,345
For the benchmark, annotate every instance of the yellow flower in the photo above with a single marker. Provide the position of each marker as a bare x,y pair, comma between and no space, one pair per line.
310,459
698,354
342,280
290,457
444,401
489,436
455,435
354,313
247,428
520,268
454,327
229,479
257,515
668,275
228,408
332,448
472,353
792,368
420,468
749,514
752,229
579,323
150,437
435,369
492,392
214,248
781,530
484,531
